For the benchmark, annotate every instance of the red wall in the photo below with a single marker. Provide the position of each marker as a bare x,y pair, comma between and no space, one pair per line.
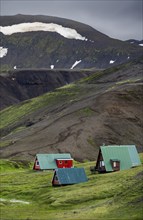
36,167
63,163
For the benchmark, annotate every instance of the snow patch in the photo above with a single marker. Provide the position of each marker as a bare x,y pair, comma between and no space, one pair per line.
128,58
92,41
14,67
141,45
75,64
52,67
112,61
14,201
3,52
39,26
19,201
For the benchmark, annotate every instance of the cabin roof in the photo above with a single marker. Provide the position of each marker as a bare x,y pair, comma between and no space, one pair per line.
64,159
71,175
47,161
126,154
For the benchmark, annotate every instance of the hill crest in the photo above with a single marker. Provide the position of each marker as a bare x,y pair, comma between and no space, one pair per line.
48,49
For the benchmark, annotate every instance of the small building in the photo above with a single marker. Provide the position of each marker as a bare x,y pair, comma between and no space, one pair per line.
115,158
52,161
69,176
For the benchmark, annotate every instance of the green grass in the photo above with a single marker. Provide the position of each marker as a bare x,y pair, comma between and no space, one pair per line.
128,81
92,78
98,74
86,112
105,196
10,166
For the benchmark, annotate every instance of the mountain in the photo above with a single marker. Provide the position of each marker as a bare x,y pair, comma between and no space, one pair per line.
30,41
105,107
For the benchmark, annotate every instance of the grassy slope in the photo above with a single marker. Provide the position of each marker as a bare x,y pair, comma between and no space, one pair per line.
15,113
105,196
66,94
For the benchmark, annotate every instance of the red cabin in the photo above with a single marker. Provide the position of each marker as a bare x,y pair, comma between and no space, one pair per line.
64,163
52,161
36,164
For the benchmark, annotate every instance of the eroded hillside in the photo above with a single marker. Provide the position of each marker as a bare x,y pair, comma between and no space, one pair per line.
105,107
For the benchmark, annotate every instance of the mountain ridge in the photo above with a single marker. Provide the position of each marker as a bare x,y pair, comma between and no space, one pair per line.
46,49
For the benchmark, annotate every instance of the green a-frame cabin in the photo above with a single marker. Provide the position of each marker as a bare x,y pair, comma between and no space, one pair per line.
117,157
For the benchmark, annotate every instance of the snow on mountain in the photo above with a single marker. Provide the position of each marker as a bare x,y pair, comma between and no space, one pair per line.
112,61
52,67
14,201
39,26
75,64
136,42
3,52
36,41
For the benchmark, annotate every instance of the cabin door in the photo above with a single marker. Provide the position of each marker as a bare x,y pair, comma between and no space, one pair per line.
101,166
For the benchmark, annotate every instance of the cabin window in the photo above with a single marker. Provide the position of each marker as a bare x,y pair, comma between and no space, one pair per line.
66,161
60,162
56,178
37,163
114,164
102,163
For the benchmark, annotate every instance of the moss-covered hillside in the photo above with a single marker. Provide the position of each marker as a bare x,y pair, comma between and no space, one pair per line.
105,107
29,195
